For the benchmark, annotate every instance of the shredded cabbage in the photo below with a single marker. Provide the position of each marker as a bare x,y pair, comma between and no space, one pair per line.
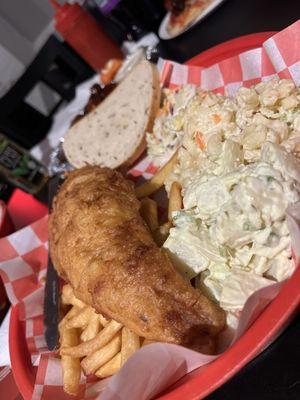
239,170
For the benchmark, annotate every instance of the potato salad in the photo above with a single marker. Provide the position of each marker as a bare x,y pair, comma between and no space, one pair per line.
238,166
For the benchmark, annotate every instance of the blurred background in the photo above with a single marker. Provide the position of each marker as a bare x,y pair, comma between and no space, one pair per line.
24,28
29,28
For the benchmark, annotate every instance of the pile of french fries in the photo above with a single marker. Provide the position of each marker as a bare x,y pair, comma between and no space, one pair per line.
149,207
88,341
91,343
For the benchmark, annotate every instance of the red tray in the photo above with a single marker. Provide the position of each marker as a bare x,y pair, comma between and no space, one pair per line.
229,49
271,322
6,225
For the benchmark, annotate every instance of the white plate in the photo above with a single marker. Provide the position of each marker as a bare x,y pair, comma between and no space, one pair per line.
163,32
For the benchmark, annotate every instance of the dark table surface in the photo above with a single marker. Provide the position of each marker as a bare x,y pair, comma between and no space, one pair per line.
275,374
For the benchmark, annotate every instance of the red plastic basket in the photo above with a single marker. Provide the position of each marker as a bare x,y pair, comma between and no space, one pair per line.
6,228
6,225
268,326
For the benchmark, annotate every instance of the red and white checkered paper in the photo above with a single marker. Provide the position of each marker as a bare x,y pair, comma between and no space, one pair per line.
23,255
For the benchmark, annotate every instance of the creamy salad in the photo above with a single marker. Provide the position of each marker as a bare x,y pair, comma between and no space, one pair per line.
239,170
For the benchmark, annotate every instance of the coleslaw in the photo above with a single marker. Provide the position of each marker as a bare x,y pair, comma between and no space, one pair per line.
239,170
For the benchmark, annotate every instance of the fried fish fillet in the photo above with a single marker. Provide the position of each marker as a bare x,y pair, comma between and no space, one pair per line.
101,245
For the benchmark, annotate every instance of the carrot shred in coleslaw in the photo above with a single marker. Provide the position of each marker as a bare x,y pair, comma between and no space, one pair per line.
164,110
199,140
216,118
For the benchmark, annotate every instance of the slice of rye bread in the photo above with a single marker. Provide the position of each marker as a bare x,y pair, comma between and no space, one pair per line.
113,134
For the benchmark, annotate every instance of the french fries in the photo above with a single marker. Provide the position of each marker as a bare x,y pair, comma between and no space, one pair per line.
90,346
149,213
103,320
90,342
110,368
68,297
81,319
92,328
161,233
70,314
70,366
110,69
175,199
97,359
130,344
157,180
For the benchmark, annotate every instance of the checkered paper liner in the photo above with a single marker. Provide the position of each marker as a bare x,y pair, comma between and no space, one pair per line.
23,255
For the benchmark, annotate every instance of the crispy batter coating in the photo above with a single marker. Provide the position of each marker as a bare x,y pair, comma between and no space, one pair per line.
101,245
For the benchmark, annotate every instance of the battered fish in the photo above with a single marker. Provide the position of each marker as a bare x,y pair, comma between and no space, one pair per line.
101,245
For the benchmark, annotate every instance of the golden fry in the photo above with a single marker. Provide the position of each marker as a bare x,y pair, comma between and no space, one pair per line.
70,314
103,321
71,369
67,293
99,341
175,199
130,344
95,360
148,211
105,347
110,69
161,233
68,297
157,180
80,320
93,327
110,368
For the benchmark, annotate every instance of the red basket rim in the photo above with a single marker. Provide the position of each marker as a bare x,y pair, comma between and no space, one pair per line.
202,381
230,48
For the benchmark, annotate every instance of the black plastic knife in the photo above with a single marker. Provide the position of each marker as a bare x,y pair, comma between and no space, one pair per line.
51,299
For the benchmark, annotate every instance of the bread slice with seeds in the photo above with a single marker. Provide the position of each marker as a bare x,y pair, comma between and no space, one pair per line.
113,134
